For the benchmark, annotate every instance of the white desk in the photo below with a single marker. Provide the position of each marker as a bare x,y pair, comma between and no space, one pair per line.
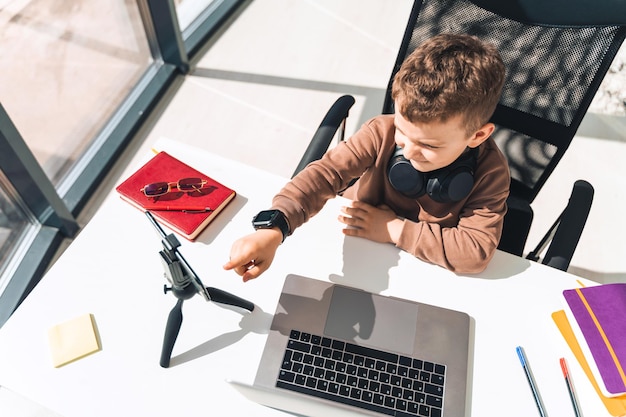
113,271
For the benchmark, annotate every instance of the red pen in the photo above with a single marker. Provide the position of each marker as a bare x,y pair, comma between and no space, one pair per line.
570,387
175,208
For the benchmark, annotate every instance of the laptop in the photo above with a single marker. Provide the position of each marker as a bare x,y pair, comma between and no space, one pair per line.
334,350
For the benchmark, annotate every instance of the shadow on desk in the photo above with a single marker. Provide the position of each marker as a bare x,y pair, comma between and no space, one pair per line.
257,321
503,265
364,271
222,219
371,273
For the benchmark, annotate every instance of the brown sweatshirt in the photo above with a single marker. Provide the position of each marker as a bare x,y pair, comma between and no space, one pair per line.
460,236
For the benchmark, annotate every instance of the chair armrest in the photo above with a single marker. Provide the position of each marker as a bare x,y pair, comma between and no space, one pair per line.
517,222
570,226
320,142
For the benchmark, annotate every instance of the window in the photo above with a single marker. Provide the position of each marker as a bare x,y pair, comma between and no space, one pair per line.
67,66
79,77
189,10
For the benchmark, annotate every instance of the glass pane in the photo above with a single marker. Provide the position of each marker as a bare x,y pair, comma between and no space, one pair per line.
189,10
15,228
66,67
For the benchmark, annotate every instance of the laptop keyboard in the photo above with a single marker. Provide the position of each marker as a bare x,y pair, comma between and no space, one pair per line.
368,378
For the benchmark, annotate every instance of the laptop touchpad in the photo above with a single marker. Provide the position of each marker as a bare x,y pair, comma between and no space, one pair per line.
372,320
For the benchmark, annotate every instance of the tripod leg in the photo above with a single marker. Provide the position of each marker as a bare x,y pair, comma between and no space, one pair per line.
174,321
223,297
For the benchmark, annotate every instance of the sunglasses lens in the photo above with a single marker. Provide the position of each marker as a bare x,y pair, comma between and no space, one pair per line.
190,184
156,189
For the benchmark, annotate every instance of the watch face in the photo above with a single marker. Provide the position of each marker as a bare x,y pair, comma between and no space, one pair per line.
270,219
265,216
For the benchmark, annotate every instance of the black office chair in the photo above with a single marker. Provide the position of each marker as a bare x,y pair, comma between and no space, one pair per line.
556,52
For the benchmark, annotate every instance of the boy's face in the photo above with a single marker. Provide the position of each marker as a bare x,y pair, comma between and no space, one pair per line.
434,145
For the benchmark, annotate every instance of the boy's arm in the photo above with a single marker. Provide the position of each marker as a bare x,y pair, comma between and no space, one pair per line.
305,195
469,246
301,198
466,248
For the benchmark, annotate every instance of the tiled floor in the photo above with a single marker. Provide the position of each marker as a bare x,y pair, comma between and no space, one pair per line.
262,87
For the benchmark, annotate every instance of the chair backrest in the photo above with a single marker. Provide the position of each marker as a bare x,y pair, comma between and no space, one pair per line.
556,54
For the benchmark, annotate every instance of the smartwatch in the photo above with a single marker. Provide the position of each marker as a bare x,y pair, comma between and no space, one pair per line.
268,219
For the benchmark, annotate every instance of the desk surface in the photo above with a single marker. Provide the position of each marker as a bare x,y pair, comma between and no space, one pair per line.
113,271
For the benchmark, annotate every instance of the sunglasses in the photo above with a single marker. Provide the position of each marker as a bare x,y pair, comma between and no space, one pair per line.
187,185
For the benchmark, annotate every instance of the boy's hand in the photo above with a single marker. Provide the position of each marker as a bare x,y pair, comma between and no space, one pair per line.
253,254
379,224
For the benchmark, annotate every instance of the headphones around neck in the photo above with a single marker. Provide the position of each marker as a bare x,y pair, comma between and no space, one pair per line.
448,184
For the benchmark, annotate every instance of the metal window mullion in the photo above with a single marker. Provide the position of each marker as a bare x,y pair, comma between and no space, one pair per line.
30,181
30,270
208,23
163,31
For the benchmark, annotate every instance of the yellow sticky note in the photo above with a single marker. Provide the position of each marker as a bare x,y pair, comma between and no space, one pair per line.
73,339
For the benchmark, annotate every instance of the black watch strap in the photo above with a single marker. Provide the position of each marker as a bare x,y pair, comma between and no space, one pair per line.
268,219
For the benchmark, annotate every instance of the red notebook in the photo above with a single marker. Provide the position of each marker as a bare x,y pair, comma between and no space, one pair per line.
185,200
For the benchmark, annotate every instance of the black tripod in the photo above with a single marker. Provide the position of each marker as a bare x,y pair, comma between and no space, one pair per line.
184,285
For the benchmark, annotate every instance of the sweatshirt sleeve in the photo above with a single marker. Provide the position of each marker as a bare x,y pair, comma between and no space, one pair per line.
469,246
305,195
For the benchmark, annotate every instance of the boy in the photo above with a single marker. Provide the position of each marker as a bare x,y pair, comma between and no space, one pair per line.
444,95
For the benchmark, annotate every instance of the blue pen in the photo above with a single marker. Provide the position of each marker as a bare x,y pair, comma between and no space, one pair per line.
531,380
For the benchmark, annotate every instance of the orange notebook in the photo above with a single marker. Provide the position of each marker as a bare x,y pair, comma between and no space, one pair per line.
181,197
616,406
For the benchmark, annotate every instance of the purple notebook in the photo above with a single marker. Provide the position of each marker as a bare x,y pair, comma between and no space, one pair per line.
600,313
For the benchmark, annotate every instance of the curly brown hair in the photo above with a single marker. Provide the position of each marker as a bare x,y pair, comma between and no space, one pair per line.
450,75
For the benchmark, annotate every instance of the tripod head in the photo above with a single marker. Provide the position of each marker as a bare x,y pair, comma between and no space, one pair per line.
184,284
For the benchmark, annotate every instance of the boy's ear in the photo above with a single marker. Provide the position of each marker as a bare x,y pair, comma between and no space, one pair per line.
481,135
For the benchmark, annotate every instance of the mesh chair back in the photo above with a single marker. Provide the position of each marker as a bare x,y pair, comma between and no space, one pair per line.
554,69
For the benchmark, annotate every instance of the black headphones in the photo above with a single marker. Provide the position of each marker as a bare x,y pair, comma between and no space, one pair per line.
448,184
